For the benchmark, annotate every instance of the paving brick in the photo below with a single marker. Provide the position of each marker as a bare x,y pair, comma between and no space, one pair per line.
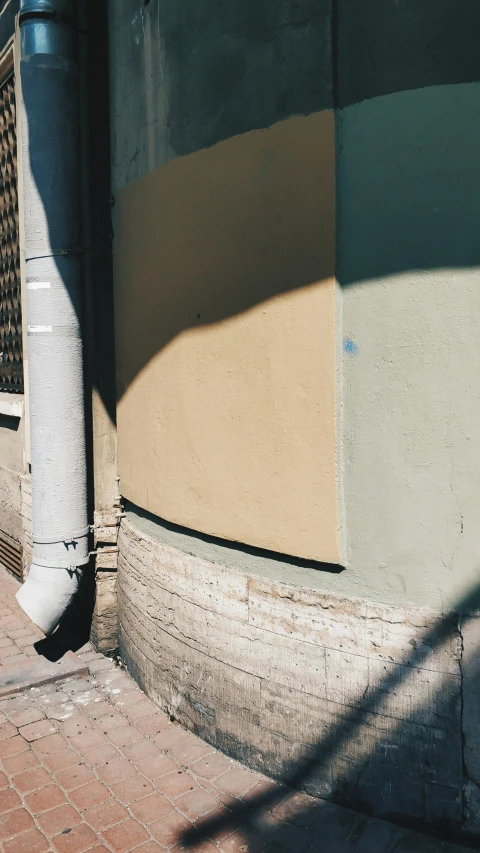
97,709
158,766
151,808
12,746
62,712
9,800
18,633
227,799
74,777
196,803
131,789
211,766
3,781
7,730
116,771
116,680
251,840
31,779
125,836
88,647
139,710
80,839
171,737
297,838
38,730
105,815
28,842
28,640
236,781
131,697
44,798
58,820
101,665
14,823
125,736
154,724
8,652
50,744
371,834
19,763
222,822
61,759
111,721
26,716
13,704
140,751
200,847
15,659
175,784
277,791
89,795
88,740
170,829
189,751
100,755
76,726
151,847
293,807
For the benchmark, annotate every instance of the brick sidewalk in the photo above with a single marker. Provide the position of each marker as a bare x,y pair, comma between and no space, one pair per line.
92,764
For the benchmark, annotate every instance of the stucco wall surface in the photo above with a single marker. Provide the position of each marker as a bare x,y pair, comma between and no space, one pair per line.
225,311
408,262
224,178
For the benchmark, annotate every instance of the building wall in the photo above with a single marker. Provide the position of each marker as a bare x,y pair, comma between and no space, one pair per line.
408,134
224,270
374,706
12,468
15,502
361,684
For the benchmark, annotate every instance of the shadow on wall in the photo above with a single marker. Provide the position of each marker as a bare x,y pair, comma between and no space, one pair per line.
209,236
444,735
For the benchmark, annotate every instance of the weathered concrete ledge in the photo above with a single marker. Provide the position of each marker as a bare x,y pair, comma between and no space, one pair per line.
371,706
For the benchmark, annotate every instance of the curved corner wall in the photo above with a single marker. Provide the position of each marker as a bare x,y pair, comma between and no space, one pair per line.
357,702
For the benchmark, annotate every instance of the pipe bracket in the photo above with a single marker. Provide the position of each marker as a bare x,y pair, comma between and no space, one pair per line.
70,565
67,540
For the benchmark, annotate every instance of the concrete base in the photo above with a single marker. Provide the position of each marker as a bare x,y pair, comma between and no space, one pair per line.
104,634
360,703
35,672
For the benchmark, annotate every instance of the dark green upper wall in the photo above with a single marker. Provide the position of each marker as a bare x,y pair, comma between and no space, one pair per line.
191,73
238,66
387,46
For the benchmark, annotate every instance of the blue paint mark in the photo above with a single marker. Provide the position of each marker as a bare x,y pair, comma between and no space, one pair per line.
350,346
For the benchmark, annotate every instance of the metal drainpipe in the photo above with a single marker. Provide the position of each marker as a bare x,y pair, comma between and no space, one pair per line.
51,179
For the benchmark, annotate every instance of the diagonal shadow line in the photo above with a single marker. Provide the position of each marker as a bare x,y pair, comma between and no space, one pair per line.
340,733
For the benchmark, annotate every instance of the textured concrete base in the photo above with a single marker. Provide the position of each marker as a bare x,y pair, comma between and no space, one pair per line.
104,634
16,677
360,703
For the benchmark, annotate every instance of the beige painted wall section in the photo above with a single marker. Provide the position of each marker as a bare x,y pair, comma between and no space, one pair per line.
225,336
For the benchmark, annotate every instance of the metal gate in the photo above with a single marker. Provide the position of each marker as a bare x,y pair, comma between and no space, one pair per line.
11,351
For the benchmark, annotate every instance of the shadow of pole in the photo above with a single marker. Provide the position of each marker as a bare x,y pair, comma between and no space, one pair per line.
317,760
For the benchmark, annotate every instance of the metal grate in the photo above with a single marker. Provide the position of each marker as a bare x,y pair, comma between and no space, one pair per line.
11,351
11,555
